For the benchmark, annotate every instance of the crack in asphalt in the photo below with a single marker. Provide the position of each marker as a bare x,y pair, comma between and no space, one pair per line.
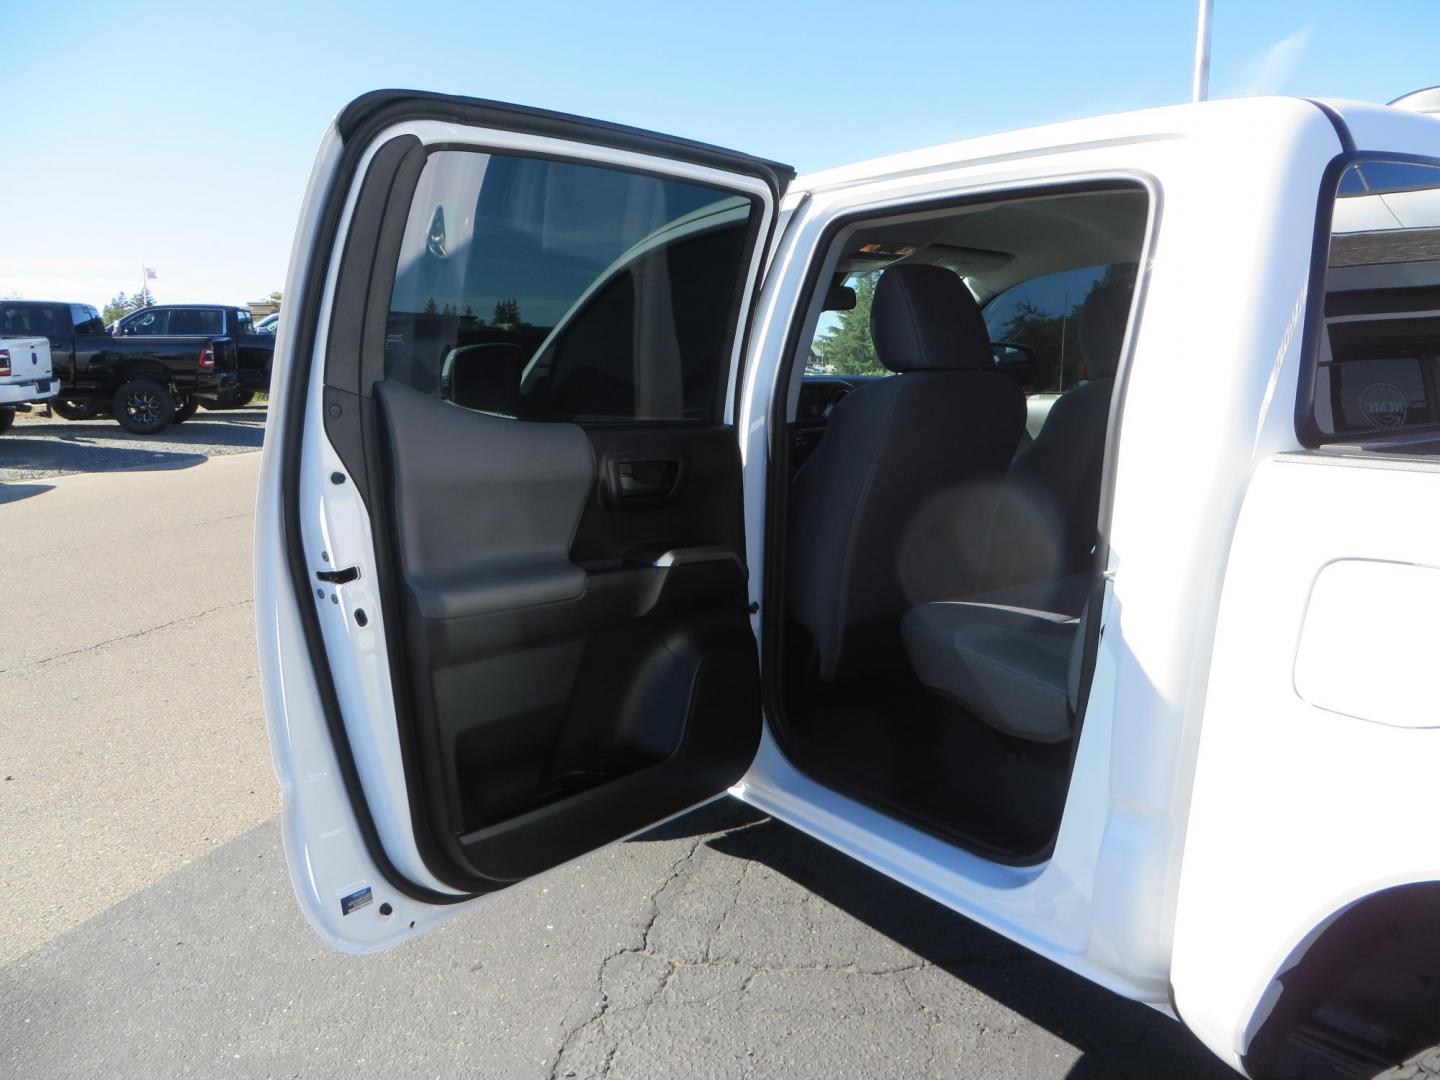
604,1012
125,637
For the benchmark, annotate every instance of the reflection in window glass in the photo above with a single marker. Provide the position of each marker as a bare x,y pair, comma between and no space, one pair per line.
551,290
1378,370
1042,313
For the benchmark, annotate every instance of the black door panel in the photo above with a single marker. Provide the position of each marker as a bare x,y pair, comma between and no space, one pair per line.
488,505
578,668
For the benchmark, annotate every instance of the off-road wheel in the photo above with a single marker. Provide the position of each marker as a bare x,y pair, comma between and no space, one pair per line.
144,406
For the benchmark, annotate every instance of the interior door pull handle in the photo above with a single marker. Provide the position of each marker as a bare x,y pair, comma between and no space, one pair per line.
647,481
338,577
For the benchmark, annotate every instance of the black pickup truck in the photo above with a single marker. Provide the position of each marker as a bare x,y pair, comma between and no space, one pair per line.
254,350
147,382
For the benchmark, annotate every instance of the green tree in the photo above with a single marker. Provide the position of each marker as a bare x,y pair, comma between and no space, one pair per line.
274,298
1052,338
121,305
846,348
507,313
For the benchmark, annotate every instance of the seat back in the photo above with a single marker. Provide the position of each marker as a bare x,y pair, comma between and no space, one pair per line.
1047,513
890,510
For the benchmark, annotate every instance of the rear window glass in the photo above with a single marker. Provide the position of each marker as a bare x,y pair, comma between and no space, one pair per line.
1377,374
1042,314
549,290
206,321
25,320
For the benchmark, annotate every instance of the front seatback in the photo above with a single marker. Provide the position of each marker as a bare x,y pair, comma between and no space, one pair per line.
1046,517
887,513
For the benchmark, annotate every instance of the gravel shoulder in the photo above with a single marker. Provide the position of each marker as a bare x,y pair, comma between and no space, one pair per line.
40,448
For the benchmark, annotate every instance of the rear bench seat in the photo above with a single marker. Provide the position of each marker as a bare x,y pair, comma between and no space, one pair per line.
1014,666
1012,655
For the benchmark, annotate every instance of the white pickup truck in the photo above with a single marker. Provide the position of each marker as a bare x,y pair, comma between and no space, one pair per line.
25,375
1144,685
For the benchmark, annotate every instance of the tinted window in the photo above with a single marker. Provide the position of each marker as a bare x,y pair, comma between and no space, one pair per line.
1378,367
1042,313
147,323
550,290
86,320
28,320
209,322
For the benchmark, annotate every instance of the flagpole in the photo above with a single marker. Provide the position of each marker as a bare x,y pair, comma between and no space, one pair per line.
1200,83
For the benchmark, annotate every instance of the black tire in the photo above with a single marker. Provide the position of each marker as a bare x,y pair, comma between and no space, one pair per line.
75,408
144,406
235,399
7,417
185,409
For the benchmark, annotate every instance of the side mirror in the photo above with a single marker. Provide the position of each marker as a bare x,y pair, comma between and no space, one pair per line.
484,377
1017,361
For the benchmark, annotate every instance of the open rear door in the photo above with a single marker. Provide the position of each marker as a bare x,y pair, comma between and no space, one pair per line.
501,581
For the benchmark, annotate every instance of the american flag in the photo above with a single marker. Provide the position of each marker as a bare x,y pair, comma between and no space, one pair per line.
149,273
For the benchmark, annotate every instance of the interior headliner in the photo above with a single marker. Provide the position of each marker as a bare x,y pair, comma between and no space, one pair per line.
1001,244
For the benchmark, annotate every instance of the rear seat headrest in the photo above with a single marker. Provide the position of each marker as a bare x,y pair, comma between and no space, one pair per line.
1100,328
924,318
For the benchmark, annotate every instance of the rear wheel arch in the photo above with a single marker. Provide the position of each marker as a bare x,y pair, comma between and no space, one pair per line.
1360,994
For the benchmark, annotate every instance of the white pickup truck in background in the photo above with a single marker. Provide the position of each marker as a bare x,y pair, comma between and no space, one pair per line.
24,375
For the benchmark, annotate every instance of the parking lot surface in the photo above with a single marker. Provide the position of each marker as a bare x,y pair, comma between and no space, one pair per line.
39,447
151,930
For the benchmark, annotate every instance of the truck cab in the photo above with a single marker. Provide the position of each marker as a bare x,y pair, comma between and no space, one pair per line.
1120,650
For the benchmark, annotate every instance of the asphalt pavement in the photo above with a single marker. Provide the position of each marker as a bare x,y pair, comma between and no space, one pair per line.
150,929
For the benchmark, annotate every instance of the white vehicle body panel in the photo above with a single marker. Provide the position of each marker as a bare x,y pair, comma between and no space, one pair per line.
1160,897
1103,905
1300,809
29,367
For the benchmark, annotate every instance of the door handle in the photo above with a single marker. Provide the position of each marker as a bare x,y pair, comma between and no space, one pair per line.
633,482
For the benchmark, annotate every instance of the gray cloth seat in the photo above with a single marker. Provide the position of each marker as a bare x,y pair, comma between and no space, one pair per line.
1012,654
1046,516
890,511
1015,668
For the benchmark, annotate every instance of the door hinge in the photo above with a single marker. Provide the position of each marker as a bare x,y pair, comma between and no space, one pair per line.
338,577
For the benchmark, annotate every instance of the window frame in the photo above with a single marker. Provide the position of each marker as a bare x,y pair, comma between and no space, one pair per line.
1307,431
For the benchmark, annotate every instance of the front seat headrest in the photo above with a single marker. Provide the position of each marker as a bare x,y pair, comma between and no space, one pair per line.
924,318
1100,328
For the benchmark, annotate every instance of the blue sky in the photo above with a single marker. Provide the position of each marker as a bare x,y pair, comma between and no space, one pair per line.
181,135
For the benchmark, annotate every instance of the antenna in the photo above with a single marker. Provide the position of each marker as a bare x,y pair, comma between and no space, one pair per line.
1200,86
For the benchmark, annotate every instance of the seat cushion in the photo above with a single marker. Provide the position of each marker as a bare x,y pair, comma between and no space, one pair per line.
1008,665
